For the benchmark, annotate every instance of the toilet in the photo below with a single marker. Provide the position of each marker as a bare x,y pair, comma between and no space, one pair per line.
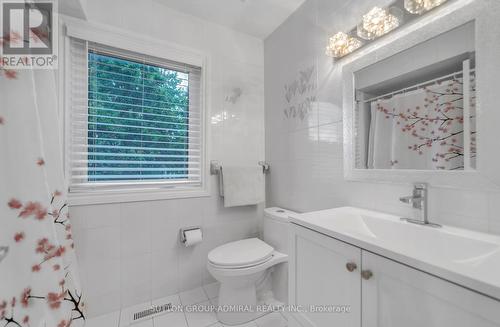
239,266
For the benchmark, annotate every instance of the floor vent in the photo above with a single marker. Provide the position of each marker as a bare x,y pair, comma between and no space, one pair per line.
150,312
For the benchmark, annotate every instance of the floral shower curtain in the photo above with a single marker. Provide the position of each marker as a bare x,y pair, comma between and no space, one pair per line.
422,129
39,285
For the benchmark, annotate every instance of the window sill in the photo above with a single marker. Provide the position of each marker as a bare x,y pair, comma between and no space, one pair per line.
106,197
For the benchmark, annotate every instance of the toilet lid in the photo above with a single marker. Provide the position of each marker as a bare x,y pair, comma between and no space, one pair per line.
248,252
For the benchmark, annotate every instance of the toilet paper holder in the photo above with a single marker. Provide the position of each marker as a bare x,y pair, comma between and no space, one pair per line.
182,232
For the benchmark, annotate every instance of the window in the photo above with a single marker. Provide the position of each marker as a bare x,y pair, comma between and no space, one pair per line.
135,122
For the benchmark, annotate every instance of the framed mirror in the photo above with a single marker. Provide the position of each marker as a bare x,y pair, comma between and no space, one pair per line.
417,112
418,105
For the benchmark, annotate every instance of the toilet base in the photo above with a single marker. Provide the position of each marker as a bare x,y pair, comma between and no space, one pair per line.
237,293
237,305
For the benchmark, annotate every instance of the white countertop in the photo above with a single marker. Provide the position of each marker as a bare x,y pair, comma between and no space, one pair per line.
467,258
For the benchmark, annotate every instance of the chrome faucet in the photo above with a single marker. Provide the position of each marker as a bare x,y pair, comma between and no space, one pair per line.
418,200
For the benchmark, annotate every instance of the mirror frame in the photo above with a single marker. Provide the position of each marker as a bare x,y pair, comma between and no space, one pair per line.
484,13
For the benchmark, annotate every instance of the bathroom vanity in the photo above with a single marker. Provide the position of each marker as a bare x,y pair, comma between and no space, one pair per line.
390,273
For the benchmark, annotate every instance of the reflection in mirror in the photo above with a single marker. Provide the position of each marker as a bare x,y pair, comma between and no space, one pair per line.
416,110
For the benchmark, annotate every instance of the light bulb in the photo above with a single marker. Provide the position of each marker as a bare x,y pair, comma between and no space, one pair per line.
418,7
378,22
342,44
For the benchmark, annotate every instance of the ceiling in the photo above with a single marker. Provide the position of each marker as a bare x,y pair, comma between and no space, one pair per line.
258,18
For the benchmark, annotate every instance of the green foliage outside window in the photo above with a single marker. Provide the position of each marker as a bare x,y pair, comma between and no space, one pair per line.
138,120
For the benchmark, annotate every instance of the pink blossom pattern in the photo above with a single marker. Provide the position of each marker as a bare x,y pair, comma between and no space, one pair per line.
9,73
14,204
18,237
40,162
34,209
13,38
437,123
49,252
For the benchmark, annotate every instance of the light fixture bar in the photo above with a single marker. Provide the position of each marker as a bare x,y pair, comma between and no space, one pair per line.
377,23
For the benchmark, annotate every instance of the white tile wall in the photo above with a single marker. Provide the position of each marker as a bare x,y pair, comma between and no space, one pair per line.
134,255
129,253
306,156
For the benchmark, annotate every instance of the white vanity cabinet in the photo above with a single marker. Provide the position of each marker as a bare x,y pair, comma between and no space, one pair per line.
397,295
380,291
319,277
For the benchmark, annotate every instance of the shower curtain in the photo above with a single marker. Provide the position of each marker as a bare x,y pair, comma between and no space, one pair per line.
422,129
39,285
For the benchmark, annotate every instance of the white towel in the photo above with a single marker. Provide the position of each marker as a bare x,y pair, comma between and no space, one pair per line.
242,185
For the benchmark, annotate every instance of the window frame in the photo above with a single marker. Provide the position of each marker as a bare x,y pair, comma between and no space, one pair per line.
144,45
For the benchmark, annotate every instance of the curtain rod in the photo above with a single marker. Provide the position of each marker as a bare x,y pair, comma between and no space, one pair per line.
416,86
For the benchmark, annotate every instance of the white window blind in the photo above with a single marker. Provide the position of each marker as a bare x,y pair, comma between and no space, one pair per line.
135,120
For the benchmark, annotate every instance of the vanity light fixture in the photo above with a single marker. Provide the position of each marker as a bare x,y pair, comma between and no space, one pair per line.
419,7
342,44
378,22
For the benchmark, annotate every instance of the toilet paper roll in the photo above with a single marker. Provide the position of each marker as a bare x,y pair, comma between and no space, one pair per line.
193,237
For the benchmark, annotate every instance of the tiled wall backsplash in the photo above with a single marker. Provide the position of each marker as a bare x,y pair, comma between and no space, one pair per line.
129,253
306,153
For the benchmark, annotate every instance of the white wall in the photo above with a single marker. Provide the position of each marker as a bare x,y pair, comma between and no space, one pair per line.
129,253
306,155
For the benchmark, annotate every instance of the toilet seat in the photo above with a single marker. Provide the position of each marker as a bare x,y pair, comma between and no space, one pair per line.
276,258
242,266
238,266
241,254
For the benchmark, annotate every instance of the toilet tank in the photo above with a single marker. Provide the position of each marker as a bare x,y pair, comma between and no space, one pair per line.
275,233
275,230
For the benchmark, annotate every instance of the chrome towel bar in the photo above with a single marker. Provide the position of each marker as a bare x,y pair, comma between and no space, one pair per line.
215,167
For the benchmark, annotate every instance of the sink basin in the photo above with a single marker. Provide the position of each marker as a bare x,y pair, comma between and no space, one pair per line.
465,257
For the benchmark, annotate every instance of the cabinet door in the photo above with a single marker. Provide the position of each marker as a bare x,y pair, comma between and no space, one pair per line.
319,277
396,295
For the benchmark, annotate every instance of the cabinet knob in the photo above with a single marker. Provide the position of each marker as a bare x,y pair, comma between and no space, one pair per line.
366,274
351,266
